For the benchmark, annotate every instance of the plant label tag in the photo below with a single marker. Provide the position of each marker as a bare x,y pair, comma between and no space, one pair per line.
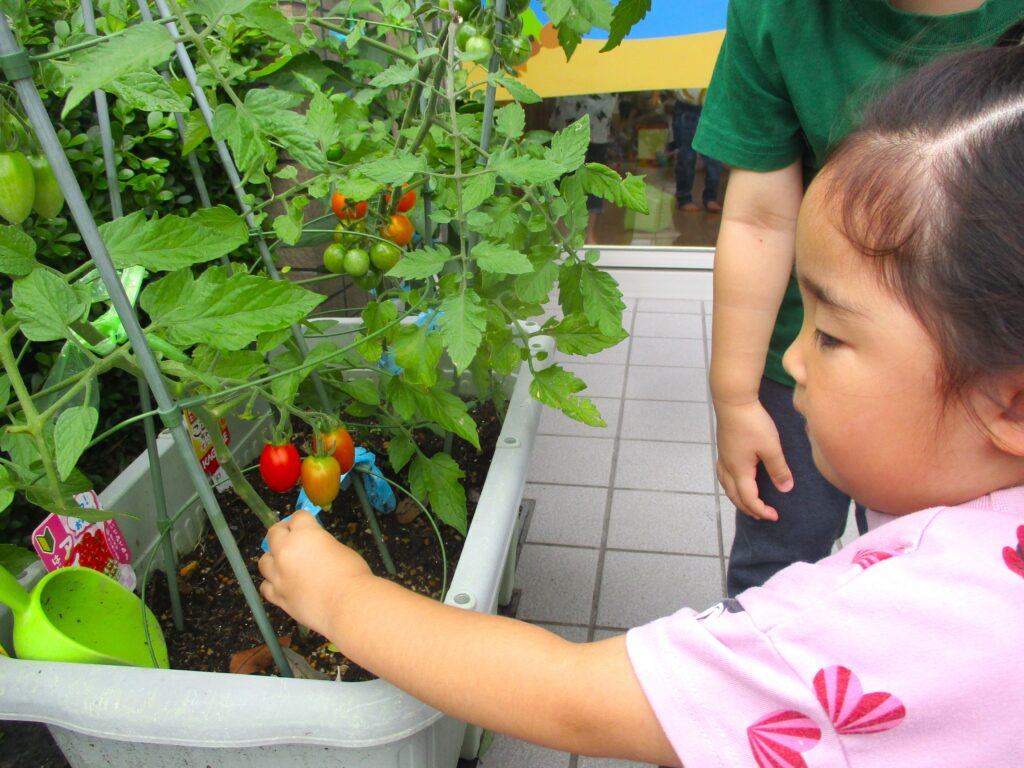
203,446
63,540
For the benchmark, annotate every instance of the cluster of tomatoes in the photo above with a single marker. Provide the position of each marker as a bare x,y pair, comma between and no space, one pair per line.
476,31
27,184
93,552
364,259
281,467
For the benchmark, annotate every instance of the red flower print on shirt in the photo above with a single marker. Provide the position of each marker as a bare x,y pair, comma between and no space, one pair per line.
1014,558
851,710
777,739
865,558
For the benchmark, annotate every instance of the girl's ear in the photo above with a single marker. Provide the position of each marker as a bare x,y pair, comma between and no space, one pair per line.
1005,421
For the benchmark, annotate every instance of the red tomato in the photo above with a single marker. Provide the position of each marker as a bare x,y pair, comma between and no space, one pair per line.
279,466
320,478
407,201
345,209
339,444
399,230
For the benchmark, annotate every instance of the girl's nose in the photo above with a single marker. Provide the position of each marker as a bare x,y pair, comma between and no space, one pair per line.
793,359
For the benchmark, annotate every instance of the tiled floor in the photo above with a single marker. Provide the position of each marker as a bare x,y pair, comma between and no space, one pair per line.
626,524
629,522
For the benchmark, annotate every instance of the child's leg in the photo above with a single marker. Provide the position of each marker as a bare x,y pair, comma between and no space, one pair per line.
812,516
684,126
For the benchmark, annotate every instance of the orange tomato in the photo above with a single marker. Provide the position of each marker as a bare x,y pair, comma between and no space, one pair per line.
344,209
407,201
399,230
338,442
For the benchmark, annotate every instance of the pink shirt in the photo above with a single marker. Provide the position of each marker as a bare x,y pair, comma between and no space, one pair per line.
904,649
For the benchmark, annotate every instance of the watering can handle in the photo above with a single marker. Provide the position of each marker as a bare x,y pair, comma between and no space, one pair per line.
12,593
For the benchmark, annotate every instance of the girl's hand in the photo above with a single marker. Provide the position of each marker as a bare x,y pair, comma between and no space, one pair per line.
307,571
747,435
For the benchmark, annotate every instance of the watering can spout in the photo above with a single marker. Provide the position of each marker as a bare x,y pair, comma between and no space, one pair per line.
12,594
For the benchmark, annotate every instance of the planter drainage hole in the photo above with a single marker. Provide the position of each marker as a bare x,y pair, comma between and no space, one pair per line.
536,345
512,442
464,600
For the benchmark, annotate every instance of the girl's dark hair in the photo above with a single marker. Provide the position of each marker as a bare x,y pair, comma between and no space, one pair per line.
932,185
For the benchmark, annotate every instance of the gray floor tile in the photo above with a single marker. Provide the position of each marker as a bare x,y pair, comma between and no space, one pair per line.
687,353
616,354
668,325
637,587
681,523
599,762
646,465
506,752
554,422
567,515
669,305
662,420
650,382
571,460
728,517
601,380
557,583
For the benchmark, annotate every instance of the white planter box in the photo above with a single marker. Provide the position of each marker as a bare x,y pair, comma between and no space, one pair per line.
119,716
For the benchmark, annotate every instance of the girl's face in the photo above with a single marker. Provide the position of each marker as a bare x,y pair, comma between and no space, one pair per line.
867,381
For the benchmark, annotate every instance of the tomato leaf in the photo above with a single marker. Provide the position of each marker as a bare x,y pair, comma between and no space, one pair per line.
557,388
288,225
439,476
14,558
46,306
147,91
17,252
400,450
7,488
492,256
418,351
224,312
536,286
286,387
568,147
214,9
71,436
168,243
575,18
521,93
396,169
267,18
602,181
321,122
462,322
584,288
510,120
625,15
477,190
398,73
421,263
249,145
524,170
576,335
436,404
140,47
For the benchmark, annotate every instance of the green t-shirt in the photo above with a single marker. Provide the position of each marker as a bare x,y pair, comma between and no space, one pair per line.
792,78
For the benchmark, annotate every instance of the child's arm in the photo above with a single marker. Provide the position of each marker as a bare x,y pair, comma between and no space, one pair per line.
753,261
498,673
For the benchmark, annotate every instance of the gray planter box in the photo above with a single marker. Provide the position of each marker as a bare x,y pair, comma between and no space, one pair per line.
121,716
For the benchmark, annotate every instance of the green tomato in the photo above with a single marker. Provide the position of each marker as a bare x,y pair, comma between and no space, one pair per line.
384,255
356,261
17,187
335,152
368,281
477,48
48,200
466,30
334,258
464,8
516,51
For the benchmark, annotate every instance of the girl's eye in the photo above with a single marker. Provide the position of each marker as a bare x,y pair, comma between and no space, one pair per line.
824,341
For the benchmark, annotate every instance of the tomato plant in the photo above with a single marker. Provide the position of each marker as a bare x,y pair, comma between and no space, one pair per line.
279,466
516,51
399,230
321,476
338,442
48,199
477,48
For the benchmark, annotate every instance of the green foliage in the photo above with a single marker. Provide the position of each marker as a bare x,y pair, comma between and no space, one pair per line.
304,114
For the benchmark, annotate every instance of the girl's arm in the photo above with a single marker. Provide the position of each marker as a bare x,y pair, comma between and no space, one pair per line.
498,673
753,261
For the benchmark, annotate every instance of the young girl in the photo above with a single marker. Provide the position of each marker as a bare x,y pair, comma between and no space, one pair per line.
904,648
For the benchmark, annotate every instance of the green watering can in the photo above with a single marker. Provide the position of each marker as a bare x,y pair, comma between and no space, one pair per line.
79,614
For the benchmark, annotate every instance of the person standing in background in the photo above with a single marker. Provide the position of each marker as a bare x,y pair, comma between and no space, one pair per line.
603,109
790,80
685,117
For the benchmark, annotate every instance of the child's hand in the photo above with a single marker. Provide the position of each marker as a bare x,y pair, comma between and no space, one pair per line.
307,571
747,435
